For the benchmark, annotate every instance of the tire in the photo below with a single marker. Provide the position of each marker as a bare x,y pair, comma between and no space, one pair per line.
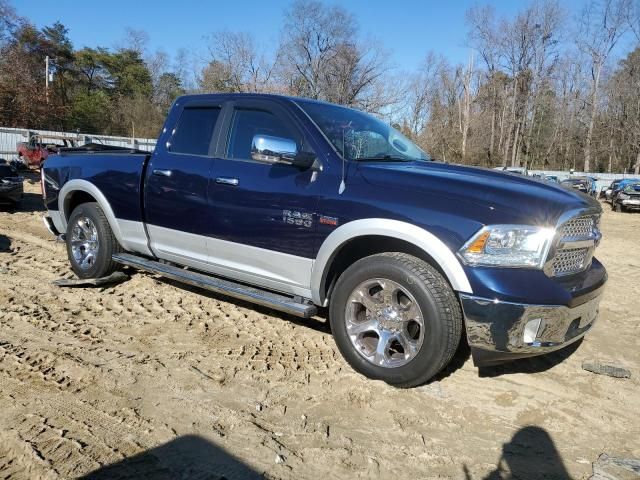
95,243
414,283
618,207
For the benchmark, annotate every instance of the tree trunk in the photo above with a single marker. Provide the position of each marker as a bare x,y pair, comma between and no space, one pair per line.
516,147
636,170
592,118
511,125
466,113
492,139
610,164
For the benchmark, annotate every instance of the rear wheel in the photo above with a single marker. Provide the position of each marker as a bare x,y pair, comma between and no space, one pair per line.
395,318
90,242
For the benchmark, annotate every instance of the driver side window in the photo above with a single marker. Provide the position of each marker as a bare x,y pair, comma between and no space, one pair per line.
247,123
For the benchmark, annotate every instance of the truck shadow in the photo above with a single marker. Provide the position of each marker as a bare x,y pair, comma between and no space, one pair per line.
462,355
189,456
31,202
531,454
319,323
5,244
532,364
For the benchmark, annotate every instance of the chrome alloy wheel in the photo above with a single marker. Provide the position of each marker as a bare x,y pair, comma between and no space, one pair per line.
84,243
384,323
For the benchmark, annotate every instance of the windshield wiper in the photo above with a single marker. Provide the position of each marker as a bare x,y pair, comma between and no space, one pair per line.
382,158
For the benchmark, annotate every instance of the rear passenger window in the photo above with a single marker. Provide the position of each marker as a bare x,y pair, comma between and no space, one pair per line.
195,130
248,123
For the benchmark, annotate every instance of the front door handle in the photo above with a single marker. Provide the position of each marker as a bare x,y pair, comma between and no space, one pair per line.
162,173
228,181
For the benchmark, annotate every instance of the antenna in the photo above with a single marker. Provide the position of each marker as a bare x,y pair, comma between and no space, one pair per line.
343,185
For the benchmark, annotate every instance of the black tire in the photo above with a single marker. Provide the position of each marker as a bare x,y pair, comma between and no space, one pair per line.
618,207
103,264
437,301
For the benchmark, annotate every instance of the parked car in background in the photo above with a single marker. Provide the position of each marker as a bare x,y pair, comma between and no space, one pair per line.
582,184
609,191
298,204
518,170
602,195
11,185
37,149
619,186
628,198
551,178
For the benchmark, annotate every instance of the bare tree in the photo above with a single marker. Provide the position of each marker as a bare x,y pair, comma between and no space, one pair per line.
465,105
236,65
601,26
134,39
484,37
420,90
321,57
633,17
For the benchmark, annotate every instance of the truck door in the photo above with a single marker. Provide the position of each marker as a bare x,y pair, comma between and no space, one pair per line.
177,178
263,215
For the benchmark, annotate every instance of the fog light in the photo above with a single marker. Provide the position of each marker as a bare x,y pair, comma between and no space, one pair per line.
531,330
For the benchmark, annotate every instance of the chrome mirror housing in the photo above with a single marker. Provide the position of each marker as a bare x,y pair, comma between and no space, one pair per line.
268,149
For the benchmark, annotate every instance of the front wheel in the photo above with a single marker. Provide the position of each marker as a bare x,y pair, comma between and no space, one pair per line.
395,318
90,242
618,207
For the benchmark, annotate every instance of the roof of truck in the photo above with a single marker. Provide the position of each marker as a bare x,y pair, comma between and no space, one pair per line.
276,96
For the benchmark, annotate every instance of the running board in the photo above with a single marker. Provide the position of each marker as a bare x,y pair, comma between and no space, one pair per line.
218,285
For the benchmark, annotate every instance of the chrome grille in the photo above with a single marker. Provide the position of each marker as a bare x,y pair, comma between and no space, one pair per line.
582,227
570,260
572,255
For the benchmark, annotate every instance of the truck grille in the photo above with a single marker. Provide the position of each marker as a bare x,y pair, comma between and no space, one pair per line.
581,227
574,259
569,260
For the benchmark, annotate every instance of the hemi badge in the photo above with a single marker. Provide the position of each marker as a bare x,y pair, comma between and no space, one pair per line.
328,220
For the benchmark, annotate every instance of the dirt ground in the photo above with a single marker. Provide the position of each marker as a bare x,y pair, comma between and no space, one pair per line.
149,379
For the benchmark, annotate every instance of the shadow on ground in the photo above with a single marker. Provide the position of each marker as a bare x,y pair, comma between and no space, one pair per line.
189,456
5,244
319,323
531,364
31,202
531,454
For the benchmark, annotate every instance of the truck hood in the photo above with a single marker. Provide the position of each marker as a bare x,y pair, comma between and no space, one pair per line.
491,196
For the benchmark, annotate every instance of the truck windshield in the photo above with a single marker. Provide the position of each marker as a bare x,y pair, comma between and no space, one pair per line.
359,136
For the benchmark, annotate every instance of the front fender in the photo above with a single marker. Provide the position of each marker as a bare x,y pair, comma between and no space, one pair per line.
408,232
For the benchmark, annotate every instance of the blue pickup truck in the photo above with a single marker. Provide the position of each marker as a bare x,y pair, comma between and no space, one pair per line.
308,207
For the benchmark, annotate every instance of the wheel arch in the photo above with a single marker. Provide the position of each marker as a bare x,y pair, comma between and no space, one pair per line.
76,192
364,237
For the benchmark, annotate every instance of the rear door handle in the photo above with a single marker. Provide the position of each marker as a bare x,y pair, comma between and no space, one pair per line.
162,173
228,181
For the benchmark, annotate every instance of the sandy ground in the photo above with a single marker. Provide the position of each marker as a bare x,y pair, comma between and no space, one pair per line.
149,379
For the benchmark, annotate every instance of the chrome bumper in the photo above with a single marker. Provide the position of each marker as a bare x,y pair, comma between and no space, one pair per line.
501,331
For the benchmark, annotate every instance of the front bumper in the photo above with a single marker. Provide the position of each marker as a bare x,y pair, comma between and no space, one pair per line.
499,331
631,204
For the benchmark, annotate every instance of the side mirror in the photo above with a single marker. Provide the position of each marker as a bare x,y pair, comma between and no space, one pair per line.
268,149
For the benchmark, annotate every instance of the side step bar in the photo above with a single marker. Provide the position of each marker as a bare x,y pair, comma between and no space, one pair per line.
218,285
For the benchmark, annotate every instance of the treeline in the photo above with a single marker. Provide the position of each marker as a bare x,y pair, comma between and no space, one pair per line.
547,88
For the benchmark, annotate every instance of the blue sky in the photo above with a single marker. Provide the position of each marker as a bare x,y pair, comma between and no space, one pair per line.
407,28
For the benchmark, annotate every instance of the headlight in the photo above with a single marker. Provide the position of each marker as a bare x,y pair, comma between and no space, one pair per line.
623,196
508,246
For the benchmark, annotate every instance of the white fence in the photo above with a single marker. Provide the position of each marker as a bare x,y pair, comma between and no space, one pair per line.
10,137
